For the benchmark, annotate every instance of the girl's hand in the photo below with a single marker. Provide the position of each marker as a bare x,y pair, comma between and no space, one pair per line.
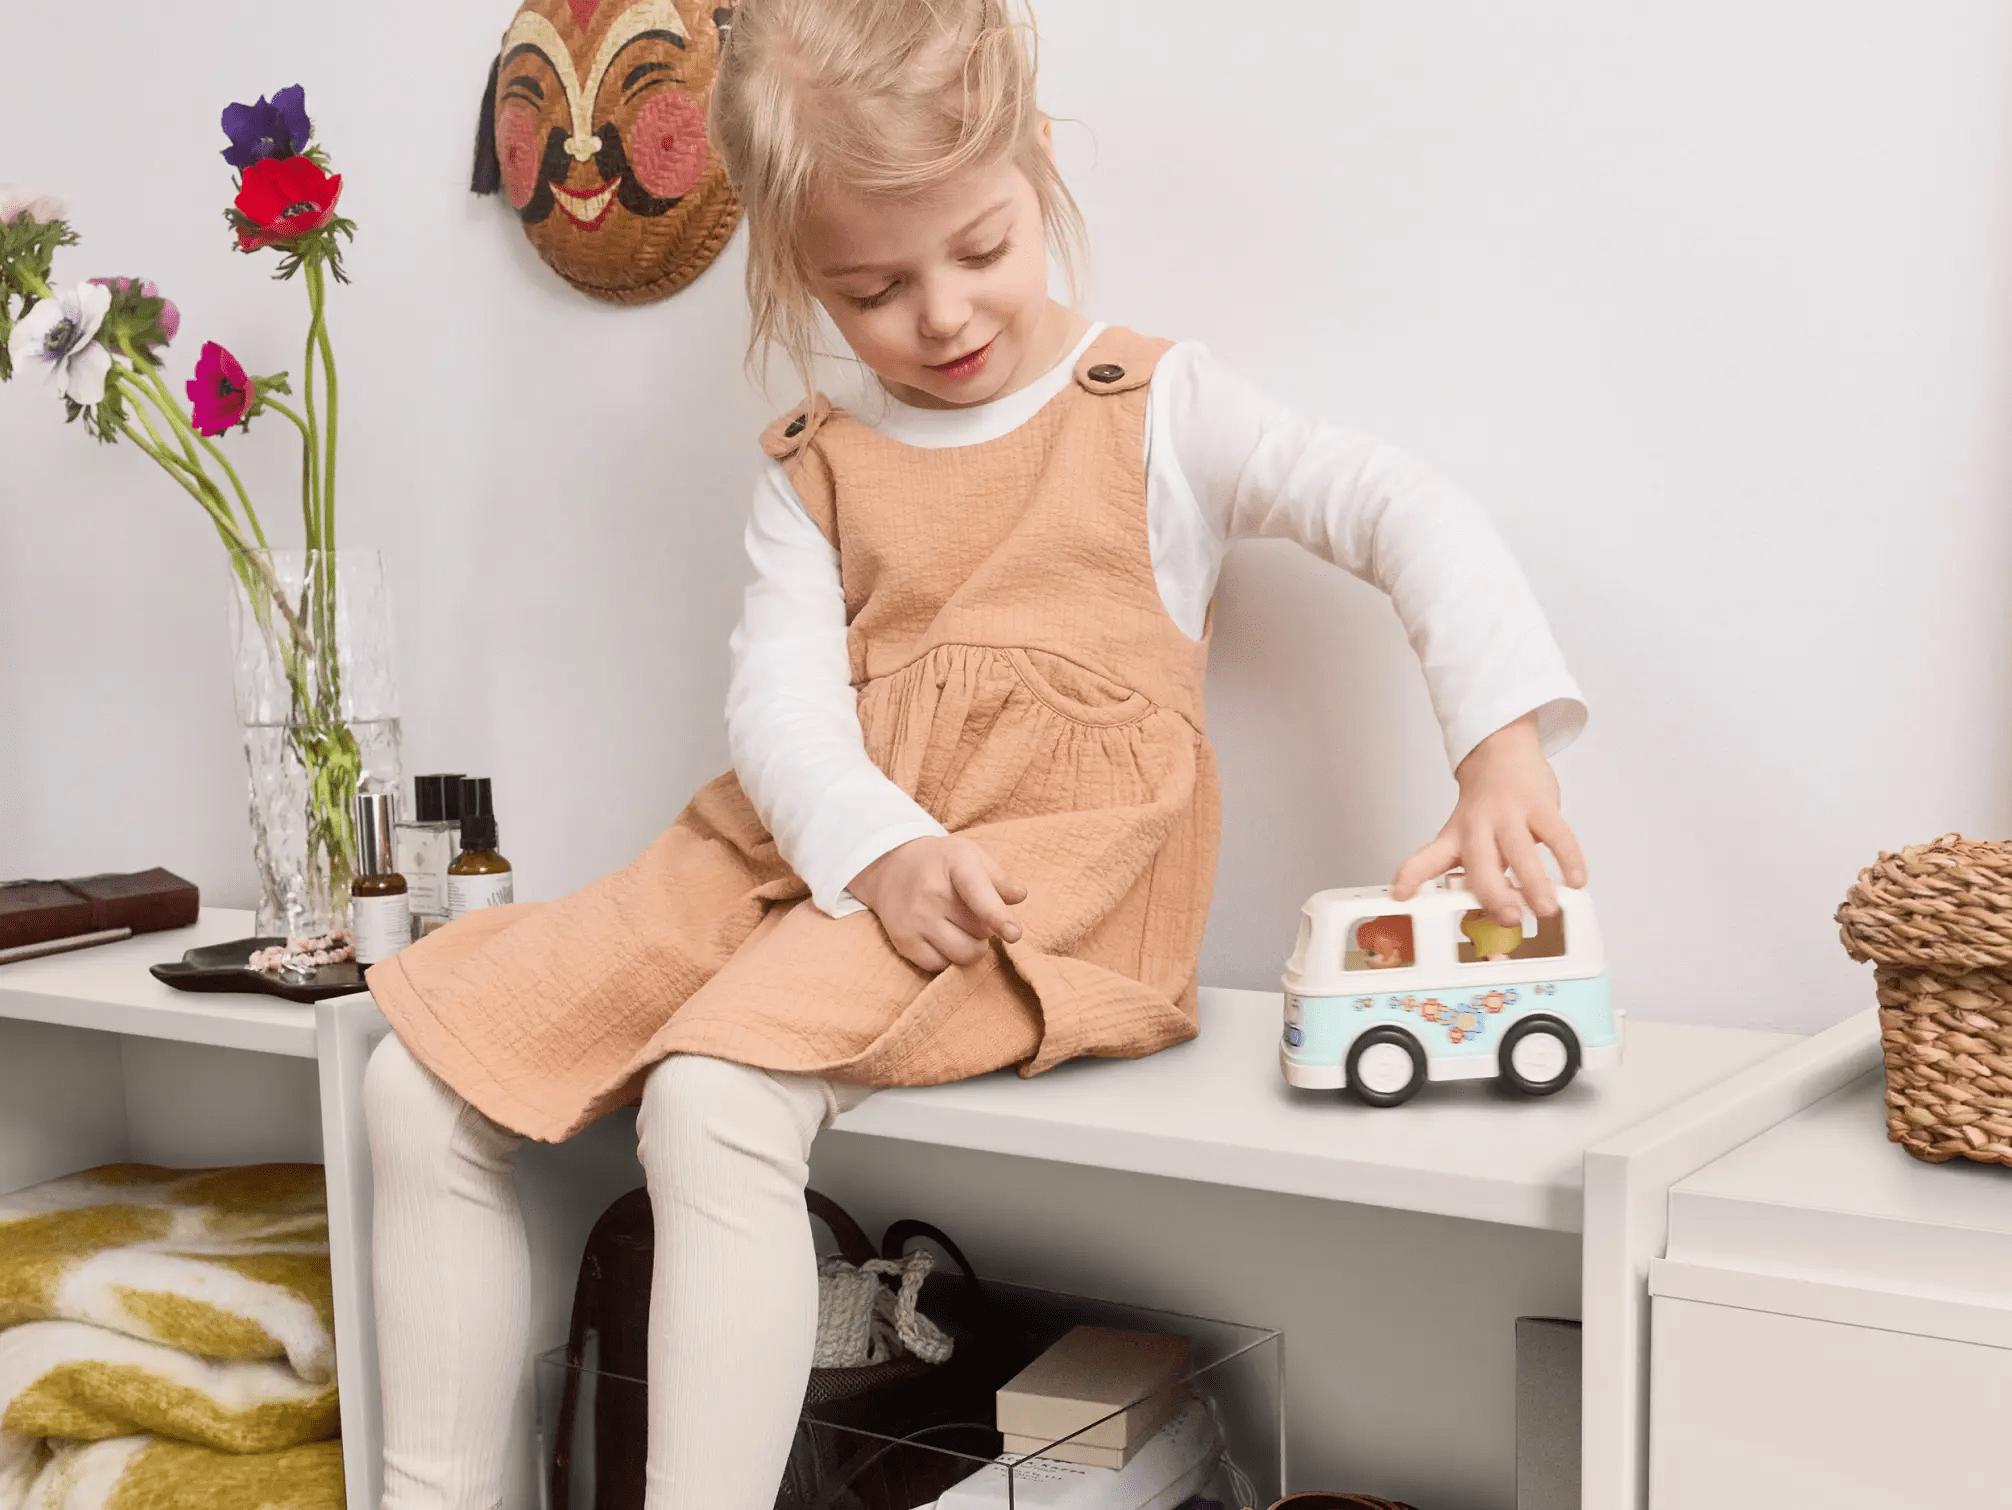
942,901
1508,805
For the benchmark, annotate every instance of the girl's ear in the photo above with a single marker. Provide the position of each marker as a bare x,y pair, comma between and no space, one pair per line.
1048,136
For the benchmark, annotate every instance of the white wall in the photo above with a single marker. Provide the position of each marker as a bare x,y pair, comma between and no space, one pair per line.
1708,303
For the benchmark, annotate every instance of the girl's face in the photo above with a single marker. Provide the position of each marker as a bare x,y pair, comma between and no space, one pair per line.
944,297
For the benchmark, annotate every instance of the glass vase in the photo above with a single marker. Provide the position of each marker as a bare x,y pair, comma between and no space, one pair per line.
311,640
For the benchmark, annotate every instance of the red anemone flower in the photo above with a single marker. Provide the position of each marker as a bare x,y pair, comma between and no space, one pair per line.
219,393
284,199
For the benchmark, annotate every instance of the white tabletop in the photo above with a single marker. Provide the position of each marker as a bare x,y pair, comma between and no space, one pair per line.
1826,1195
108,988
1217,1109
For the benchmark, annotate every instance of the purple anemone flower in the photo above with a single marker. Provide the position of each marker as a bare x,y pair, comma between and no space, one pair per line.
271,128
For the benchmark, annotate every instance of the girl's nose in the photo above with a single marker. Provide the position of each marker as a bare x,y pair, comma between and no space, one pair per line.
945,310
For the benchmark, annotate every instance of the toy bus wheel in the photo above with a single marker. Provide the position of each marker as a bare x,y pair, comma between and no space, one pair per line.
1540,1055
1386,1067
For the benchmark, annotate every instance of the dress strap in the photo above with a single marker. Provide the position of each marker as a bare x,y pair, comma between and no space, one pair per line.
1119,360
792,431
791,440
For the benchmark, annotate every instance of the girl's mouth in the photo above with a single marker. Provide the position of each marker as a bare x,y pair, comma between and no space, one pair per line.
967,364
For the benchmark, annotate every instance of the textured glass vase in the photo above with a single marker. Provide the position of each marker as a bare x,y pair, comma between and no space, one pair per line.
311,639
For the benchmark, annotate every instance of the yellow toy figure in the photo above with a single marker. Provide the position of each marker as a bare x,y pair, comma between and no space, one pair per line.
1491,941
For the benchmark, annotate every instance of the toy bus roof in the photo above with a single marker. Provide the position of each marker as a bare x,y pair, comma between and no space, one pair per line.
1447,894
1444,897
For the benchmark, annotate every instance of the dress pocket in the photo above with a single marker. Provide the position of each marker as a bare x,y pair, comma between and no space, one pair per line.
1077,693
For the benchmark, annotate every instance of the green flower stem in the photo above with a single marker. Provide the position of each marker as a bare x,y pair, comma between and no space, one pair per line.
188,434
142,394
312,492
318,292
195,485
185,468
278,408
320,351
33,285
247,561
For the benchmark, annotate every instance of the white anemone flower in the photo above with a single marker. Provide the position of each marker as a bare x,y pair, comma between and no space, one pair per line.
15,201
62,335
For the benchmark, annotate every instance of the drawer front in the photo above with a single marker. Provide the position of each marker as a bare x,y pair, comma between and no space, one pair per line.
1749,1410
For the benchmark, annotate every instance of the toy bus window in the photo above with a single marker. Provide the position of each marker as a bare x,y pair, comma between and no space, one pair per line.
1484,942
1380,943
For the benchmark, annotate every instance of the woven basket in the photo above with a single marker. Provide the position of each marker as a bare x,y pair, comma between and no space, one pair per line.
1936,919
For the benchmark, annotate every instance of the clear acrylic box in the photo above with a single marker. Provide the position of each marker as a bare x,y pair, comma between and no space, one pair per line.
1221,1451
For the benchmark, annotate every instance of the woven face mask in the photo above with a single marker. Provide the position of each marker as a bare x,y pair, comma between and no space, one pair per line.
594,129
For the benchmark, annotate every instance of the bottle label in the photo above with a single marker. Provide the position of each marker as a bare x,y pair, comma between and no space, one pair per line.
466,893
425,850
382,925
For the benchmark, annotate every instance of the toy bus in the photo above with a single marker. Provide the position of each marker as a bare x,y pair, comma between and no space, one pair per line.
1382,996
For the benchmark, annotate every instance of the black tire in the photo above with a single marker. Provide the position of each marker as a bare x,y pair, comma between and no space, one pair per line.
1536,1082
1397,1095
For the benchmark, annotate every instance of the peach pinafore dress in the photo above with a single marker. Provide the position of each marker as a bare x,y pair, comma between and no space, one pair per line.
1018,676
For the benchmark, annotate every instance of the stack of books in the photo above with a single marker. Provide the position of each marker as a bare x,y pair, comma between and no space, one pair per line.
1104,1420
1096,1396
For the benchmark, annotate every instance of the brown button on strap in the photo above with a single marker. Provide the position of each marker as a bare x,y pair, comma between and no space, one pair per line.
1106,372
795,427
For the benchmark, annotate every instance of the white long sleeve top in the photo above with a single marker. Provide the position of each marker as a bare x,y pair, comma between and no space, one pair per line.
1223,463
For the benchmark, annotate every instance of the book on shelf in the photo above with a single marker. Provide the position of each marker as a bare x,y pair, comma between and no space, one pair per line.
41,912
1099,1393
1167,1470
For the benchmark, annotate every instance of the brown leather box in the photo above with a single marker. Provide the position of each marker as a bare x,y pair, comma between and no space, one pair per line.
33,912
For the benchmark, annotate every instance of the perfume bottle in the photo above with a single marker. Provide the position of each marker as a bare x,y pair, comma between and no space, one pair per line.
380,917
427,845
479,876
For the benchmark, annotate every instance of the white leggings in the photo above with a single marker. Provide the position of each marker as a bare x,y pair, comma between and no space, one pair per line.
733,1303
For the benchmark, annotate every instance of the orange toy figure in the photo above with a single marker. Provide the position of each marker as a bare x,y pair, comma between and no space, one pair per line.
1385,941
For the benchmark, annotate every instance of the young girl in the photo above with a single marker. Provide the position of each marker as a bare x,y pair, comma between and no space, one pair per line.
972,820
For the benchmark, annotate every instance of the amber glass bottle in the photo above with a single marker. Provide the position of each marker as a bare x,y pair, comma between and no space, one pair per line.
479,876
380,912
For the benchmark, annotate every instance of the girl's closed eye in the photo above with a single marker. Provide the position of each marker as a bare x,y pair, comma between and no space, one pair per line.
986,259
873,301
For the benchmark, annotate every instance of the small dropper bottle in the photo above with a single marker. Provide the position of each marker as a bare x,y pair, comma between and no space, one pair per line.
479,876
380,912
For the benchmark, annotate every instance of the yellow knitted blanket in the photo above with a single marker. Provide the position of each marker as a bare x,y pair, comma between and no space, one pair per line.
226,1263
141,1473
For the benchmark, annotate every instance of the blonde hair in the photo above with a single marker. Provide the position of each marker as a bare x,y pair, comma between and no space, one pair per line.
888,97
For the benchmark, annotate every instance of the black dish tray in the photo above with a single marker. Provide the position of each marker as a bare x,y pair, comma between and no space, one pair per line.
221,967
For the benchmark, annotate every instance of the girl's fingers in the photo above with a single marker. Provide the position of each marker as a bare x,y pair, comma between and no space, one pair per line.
1485,879
970,876
955,945
1532,879
1438,857
1558,837
1009,889
962,918
922,954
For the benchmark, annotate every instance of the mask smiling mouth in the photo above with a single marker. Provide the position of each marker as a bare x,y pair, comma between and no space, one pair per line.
586,208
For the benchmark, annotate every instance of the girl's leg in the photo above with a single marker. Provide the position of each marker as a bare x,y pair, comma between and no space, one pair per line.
733,1301
453,1286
